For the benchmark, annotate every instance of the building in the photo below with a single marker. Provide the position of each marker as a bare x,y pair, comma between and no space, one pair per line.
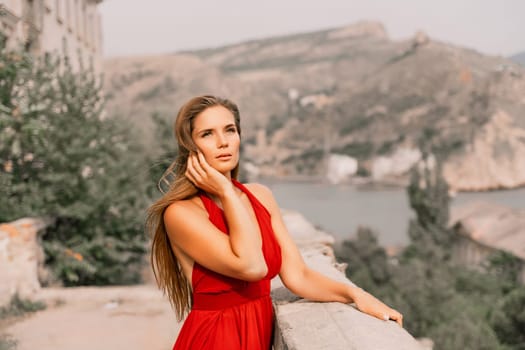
486,228
70,27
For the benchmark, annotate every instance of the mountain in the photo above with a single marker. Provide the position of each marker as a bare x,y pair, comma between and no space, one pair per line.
349,91
519,58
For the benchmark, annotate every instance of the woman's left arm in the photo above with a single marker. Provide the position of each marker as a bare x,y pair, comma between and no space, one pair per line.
310,284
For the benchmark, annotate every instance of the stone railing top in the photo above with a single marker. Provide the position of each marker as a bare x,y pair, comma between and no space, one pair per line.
22,228
306,325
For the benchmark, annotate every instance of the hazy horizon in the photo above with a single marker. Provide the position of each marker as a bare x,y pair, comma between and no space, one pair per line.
490,27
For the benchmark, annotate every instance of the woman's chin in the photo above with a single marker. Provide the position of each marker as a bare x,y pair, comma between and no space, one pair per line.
224,168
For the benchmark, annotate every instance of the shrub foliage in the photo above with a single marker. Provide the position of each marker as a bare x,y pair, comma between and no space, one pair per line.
61,158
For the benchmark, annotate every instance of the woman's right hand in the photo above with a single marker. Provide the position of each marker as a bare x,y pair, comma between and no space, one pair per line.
206,177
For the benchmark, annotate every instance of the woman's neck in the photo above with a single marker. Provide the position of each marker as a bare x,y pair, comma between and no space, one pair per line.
217,200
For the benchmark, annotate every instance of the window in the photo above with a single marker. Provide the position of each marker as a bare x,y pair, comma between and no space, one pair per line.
89,31
65,51
76,11
58,10
68,14
84,21
38,13
7,30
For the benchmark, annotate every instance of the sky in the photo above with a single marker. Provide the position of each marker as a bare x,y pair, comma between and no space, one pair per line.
140,27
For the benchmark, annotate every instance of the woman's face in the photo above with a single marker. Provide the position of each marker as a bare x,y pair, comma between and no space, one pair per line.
216,136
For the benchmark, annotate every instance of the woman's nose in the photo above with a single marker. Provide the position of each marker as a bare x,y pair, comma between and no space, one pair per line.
222,141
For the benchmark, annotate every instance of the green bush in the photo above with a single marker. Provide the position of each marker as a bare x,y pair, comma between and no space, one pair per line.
7,343
62,158
274,124
359,150
367,261
459,308
354,124
19,307
508,319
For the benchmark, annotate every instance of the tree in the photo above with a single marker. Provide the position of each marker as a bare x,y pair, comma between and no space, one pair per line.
439,299
61,158
465,333
430,236
508,319
367,261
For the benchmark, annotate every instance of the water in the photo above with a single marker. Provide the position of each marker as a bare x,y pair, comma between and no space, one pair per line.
340,209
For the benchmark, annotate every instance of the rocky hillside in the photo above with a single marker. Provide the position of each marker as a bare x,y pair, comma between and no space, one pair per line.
347,91
520,58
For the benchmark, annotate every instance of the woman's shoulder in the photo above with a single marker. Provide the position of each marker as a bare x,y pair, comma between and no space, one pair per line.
263,194
257,188
185,206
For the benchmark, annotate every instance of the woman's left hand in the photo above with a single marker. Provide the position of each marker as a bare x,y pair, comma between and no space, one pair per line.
369,304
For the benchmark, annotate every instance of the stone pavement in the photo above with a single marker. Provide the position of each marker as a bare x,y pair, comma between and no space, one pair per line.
98,318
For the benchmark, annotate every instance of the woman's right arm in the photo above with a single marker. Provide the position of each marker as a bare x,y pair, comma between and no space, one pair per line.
238,254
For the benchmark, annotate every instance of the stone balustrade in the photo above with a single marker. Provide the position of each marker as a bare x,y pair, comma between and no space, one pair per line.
305,325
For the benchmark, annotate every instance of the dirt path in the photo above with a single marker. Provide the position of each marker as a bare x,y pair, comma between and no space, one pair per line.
93,318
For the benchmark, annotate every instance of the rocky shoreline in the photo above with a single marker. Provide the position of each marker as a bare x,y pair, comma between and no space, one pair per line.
367,183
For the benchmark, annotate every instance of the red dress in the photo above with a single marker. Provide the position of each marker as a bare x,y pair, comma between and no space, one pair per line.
228,313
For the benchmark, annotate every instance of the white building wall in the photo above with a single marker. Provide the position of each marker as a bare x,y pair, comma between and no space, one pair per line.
71,27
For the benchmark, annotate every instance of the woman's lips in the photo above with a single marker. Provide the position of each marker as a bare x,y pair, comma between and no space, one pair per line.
224,156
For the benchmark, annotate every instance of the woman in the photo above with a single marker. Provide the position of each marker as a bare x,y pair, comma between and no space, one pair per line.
217,243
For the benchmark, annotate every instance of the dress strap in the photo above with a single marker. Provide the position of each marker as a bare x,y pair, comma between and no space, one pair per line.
208,203
251,196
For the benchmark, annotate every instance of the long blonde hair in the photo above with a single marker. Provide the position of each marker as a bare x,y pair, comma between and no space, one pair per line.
166,268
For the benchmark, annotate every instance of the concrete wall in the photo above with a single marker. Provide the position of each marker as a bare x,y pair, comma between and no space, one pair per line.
305,325
21,257
70,27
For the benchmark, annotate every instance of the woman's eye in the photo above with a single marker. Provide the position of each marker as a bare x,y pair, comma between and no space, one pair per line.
206,133
231,130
